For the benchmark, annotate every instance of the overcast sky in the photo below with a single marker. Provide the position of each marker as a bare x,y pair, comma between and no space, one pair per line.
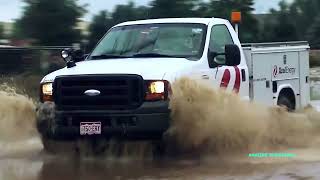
12,9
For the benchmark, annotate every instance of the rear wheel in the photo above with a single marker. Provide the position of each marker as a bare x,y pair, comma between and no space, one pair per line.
287,102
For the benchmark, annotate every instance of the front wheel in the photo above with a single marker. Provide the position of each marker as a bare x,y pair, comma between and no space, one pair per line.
59,147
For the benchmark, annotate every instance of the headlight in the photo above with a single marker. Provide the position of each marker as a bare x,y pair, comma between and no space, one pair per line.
157,90
47,89
156,87
46,92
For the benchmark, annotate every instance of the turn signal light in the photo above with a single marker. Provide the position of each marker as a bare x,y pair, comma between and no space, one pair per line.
46,92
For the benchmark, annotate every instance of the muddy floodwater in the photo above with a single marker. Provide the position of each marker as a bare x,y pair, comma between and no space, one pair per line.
215,144
32,164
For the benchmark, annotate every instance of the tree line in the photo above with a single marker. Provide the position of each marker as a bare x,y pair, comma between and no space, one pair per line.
55,23
1,31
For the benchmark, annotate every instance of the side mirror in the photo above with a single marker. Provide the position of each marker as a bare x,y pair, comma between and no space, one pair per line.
232,56
232,53
212,59
71,56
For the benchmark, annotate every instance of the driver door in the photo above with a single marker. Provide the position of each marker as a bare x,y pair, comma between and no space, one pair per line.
226,77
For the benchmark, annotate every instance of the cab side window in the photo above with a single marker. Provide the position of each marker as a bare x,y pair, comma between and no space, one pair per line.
220,37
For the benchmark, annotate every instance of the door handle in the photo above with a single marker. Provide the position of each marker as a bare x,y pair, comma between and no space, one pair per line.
205,76
243,74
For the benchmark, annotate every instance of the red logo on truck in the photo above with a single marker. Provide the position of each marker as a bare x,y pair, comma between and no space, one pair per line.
283,71
236,87
227,77
275,71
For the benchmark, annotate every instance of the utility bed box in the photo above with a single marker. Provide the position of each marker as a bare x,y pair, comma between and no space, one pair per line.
274,65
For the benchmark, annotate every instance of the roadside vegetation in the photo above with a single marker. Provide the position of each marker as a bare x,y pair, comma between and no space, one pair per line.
294,21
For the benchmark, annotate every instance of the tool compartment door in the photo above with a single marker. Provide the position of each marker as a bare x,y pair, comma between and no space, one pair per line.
285,72
261,79
304,77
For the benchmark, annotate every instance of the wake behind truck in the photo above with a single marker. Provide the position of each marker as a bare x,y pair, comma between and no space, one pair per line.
121,89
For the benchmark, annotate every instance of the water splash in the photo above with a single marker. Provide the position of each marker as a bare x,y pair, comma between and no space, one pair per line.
17,122
208,120
17,115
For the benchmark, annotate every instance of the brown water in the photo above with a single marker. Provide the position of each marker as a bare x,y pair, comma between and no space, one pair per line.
212,131
210,120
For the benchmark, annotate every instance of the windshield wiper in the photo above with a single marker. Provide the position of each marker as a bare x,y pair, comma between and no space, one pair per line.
146,55
139,55
107,56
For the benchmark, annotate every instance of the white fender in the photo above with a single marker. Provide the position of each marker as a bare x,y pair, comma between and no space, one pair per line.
280,88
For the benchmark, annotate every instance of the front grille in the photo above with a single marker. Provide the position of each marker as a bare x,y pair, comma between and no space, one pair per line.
117,92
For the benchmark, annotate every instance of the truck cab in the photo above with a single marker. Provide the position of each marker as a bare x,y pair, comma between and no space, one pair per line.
121,90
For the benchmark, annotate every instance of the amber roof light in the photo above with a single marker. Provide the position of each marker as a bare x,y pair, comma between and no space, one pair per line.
236,17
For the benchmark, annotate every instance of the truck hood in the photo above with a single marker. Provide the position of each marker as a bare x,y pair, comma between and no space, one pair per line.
148,68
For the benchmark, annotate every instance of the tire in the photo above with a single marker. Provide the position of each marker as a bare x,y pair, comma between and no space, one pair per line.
284,101
52,146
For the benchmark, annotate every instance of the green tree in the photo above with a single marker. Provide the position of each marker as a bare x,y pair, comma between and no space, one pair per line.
18,32
284,29
279,26
313,33
51,22
1,31
142,12
203,10
249,25
173,8
102,22
129,12
303,13
99,26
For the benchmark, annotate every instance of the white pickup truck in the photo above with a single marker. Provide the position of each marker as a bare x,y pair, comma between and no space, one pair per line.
121,89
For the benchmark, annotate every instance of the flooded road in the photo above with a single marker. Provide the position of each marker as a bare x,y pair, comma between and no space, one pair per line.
22,157
38,166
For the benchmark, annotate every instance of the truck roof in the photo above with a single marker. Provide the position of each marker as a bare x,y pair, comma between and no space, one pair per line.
173,20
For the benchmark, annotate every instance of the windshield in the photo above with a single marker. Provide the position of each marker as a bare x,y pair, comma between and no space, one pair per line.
152,40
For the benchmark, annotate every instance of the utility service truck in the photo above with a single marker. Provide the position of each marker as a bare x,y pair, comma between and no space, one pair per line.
121,89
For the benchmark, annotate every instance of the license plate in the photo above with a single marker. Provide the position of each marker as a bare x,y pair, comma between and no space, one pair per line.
90,128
